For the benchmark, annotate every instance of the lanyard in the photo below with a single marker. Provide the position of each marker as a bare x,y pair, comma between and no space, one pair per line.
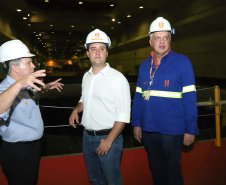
147,95
152,75
22,93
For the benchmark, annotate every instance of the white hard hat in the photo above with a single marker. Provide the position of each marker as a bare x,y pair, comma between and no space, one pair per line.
160,24
97,36
14,49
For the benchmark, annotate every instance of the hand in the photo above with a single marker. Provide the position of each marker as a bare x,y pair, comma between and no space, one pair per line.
30,80
137,132
104,147
188,139
74,117
54,85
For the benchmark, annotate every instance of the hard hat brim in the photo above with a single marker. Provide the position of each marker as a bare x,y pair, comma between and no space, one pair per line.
28,55
160,31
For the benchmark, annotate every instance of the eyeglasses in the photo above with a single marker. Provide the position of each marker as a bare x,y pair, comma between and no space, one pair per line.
33,97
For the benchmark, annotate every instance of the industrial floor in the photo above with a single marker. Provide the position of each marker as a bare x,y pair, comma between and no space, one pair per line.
203,163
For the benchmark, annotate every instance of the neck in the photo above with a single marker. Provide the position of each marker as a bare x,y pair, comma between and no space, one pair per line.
158,57
14,76
97,69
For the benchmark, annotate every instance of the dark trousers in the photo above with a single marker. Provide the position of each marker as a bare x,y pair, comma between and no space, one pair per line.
164,155
20,162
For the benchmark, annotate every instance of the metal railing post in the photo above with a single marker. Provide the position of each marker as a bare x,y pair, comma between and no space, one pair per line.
217,116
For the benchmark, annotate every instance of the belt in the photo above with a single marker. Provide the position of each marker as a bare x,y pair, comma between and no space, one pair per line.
98,132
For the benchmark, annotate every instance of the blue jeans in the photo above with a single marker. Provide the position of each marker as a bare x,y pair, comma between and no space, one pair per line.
102,169
164,155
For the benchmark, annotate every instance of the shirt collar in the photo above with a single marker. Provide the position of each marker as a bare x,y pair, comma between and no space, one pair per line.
153,56
104,71
10,80
153,53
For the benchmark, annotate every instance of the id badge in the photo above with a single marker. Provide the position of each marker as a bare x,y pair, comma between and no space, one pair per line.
147,95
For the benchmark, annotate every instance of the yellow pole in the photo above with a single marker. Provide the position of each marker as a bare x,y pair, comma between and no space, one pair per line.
217,117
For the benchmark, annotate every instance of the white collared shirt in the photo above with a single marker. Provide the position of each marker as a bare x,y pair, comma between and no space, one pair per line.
106,99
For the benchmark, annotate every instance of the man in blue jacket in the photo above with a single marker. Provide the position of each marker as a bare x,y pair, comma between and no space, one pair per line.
164,113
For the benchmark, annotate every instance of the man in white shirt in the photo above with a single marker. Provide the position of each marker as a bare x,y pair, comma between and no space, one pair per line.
105,103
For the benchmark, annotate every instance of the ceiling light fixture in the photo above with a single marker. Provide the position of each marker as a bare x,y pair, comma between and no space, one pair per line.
51,25
80,2
113,20
119,22
24,18
19,10
128,15
141,7
46,1
112,5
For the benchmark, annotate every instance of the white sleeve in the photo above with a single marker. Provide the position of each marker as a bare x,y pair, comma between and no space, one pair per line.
122,100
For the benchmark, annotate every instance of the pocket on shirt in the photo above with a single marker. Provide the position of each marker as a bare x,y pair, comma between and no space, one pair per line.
165,81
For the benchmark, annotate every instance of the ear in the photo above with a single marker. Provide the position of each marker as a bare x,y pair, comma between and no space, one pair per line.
15,68
150,42
87,53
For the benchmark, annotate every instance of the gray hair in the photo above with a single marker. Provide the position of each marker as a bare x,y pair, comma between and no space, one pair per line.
11,63
154,32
